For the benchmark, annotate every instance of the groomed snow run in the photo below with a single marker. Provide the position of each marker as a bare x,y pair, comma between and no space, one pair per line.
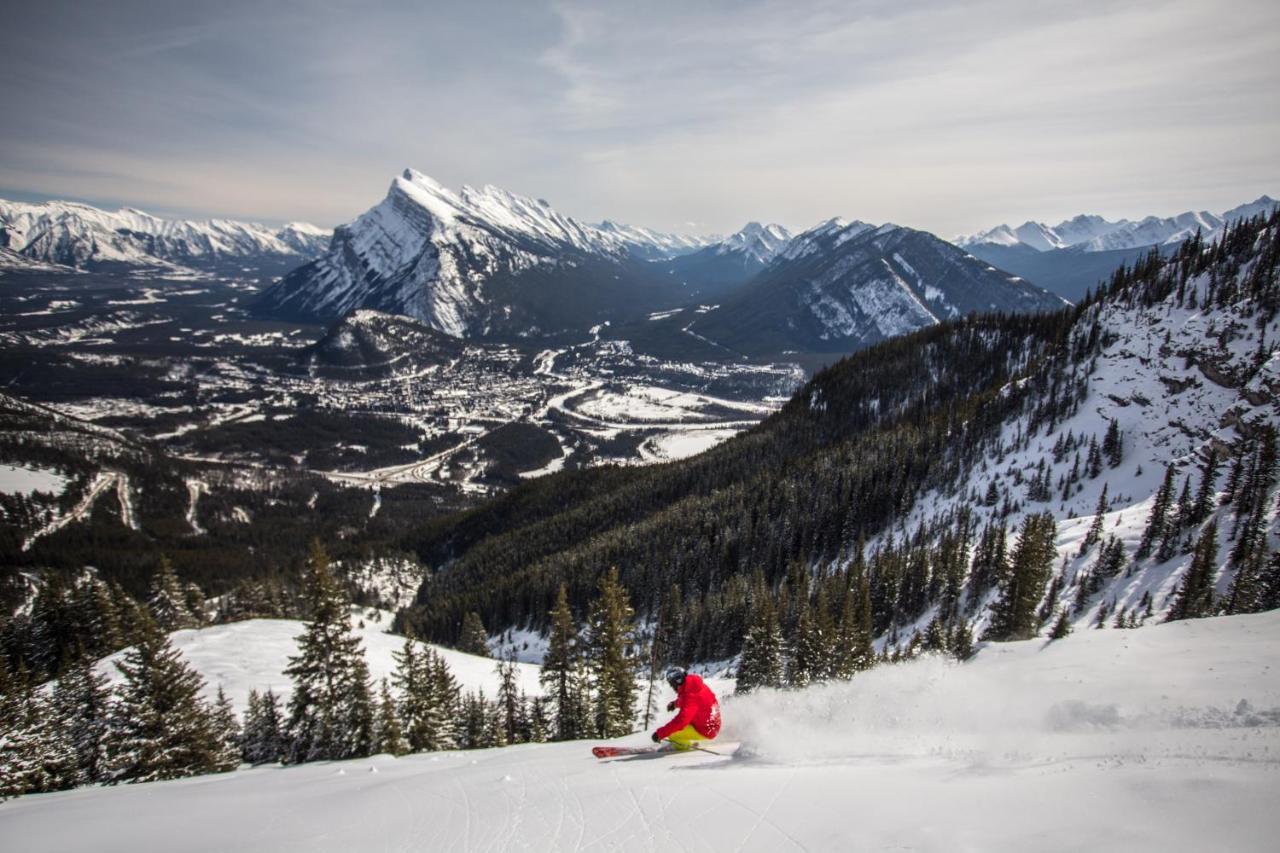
1165,739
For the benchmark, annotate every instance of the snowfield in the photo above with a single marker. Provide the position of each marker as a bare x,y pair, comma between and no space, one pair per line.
27,479
253,654
1165,739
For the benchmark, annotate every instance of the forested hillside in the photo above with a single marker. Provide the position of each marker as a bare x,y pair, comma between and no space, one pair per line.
824,500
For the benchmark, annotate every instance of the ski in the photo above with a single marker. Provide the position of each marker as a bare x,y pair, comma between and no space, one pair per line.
614,751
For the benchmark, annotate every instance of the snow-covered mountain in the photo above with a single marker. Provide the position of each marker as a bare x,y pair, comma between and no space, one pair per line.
1096,234
845,285
654,245
755,243
79,235
716,270
476,262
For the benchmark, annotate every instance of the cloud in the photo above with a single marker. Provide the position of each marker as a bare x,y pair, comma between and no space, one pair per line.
938,115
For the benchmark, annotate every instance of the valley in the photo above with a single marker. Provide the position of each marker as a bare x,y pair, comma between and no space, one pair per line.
183,363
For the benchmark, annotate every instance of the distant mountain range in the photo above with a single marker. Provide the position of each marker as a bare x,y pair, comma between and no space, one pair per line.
78,235
486,263
842,286
718,268
490,264
1073,256
1095,234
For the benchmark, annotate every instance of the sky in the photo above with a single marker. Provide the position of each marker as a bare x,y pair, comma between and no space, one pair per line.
692,117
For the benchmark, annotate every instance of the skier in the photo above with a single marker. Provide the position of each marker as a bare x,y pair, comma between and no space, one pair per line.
699,716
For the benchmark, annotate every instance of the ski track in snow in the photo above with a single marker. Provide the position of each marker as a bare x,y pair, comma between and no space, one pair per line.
1160,739
103,481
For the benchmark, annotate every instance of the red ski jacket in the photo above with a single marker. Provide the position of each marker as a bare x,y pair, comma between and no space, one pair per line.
698,708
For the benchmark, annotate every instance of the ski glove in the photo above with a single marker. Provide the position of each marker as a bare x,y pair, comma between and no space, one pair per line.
671,706
656,739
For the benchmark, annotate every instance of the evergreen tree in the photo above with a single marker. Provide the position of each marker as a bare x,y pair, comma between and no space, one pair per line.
1113,444
609,634
226,732
331,709
264,740
1202,505
412,680
1158,521
990,562
1268,595
1194,598
441,729
508,700
428,698
1014,616
808,652
36,754
388,735
1110,562
559,671
852,650
935,637
962,641
761,663
83,703
474,639
1061,627
158,727
167,601
1093,462
538,723
475,718
1094,536
96,620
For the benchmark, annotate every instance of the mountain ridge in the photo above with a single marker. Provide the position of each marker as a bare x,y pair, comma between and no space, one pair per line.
1092,233
80,235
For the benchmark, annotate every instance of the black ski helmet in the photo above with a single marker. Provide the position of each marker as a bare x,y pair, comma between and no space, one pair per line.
675,677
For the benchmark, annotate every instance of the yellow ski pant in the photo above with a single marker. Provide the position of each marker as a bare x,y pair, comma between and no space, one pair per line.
685,738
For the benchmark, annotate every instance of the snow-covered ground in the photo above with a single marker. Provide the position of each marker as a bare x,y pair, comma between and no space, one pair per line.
1162,739
26,479
253,654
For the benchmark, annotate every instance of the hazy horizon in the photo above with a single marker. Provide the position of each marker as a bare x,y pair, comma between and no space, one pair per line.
692,120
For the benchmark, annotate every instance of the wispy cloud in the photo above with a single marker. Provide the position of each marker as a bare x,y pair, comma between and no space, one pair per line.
939,115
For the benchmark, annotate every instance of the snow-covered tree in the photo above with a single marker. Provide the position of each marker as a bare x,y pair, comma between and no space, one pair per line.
263,740
762,663
167,600
388,733
35,752
83,703
159,728
226,729
331,709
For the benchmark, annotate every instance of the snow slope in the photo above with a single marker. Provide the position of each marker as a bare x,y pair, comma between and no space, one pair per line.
74,234
1096,234
1177,380
253,654
1165,739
